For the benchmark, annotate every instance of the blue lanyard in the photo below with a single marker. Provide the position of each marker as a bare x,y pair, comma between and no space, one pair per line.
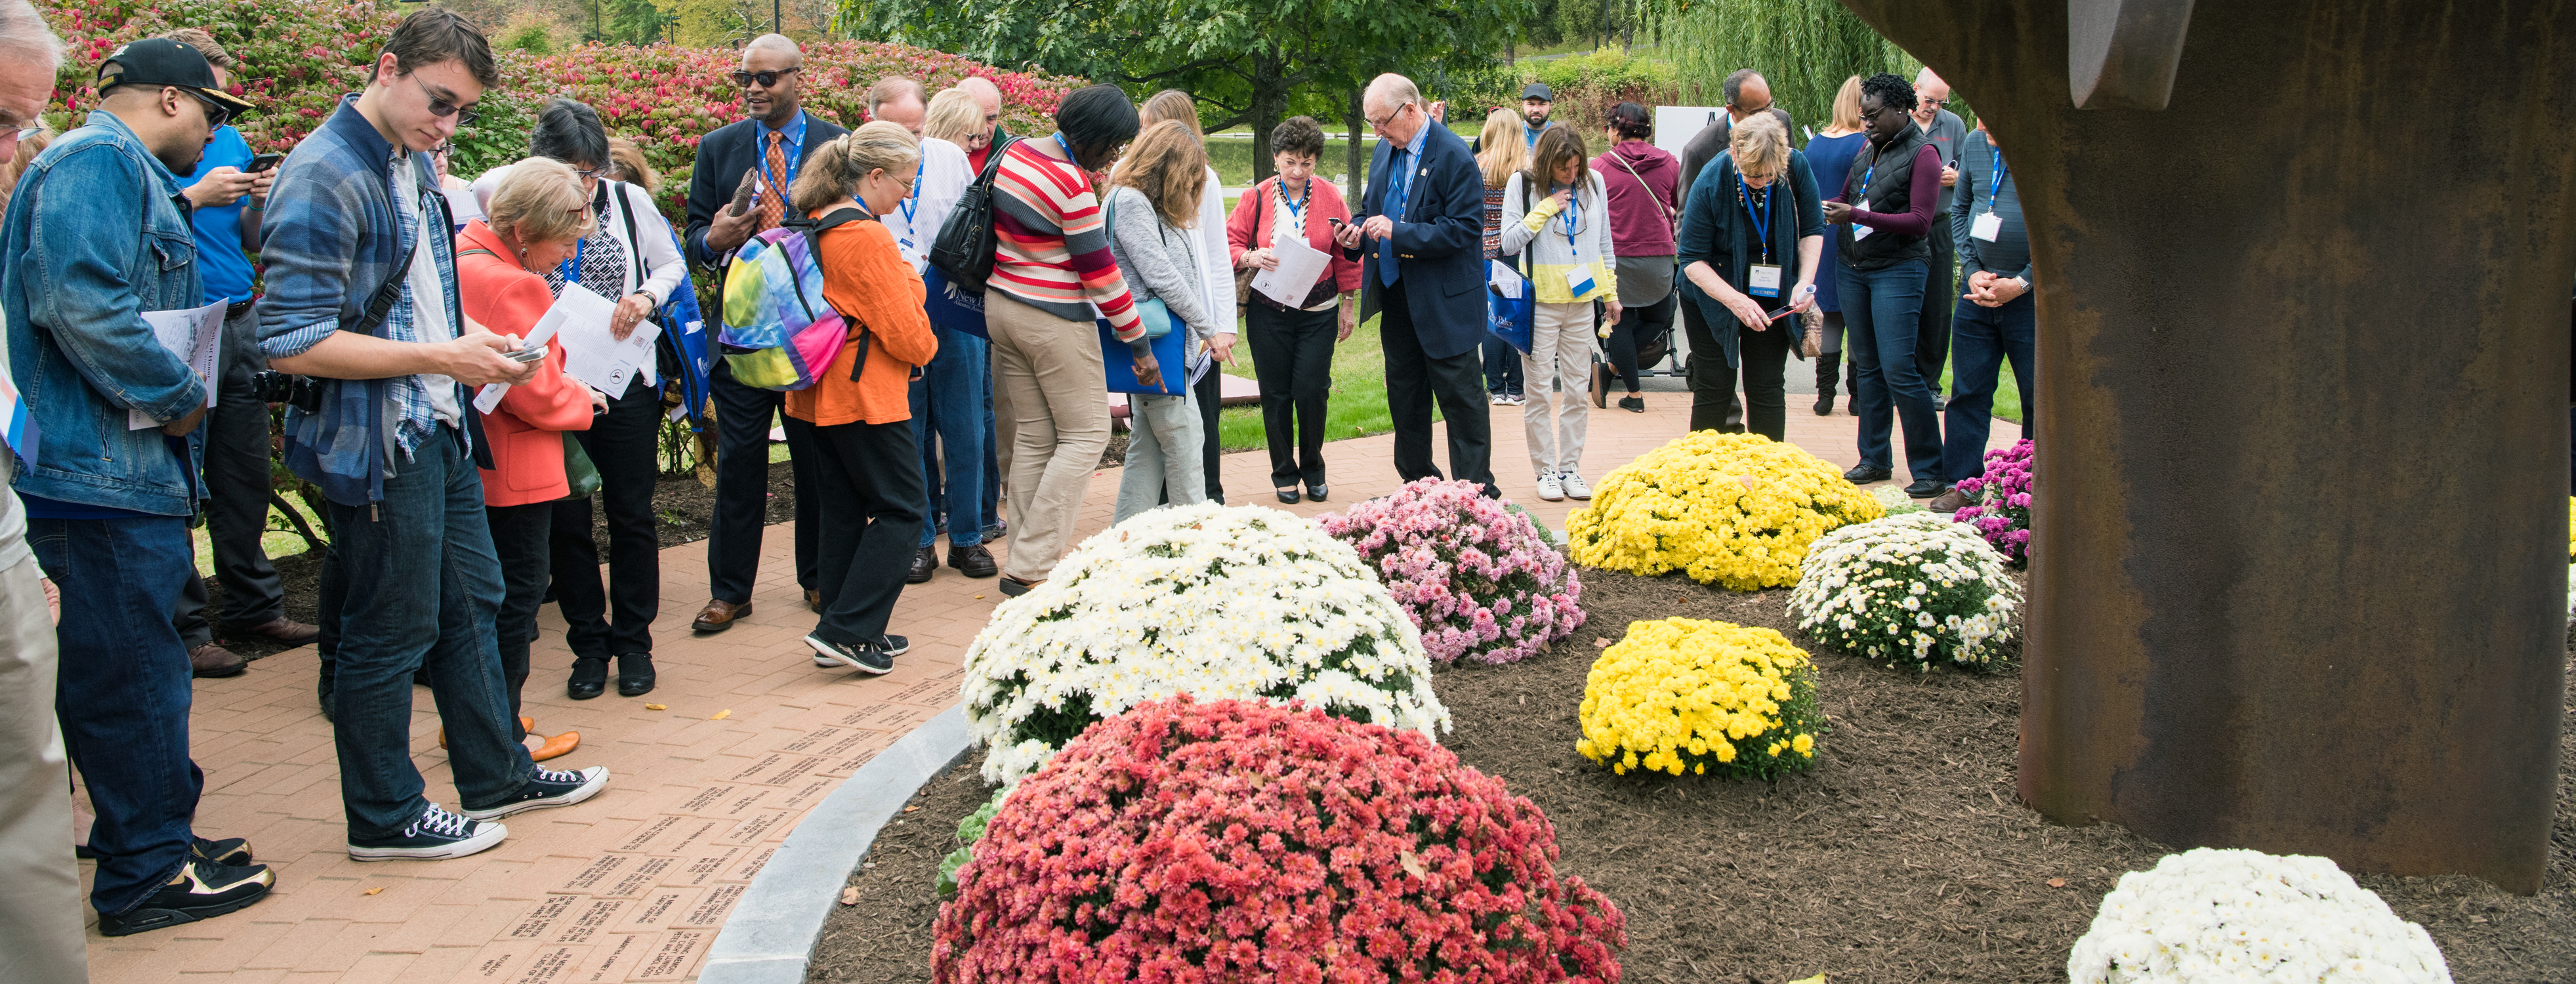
1297,209
1995,185
1068,151
912,202
1573,207
1865,175
1762,222
794,153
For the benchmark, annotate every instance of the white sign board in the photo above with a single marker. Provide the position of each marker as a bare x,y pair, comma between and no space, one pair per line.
1675,125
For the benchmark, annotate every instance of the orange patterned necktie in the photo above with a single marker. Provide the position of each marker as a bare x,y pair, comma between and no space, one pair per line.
773,206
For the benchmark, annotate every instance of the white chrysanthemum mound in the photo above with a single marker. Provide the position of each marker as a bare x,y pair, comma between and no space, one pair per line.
1205,600
2232,915
1915,588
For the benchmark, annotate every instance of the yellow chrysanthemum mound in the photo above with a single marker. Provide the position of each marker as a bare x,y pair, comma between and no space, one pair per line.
1731,509
1689,695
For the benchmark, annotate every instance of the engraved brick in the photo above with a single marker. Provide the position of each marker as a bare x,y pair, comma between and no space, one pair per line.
550,965
753,830
615,958
658,908
646,835
705,868
749,865
592,922
810,739
539,920
710,912
642,877
675,956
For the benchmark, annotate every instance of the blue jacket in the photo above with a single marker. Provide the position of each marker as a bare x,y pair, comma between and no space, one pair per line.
1715,230
1439,244
330,237
95,236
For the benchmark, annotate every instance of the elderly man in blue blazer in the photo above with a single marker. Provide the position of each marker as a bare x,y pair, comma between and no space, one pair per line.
1419,238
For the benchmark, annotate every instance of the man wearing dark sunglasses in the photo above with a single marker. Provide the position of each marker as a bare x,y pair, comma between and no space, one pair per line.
361,278
752,162
107,506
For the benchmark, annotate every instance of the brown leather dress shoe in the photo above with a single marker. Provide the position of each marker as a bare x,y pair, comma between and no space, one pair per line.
1949,502
285,630
210,661
719,615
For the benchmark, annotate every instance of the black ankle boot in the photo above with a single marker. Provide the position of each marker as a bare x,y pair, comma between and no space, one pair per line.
1828,366
589,677
1851,388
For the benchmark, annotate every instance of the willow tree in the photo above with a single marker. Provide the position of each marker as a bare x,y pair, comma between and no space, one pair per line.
1803,48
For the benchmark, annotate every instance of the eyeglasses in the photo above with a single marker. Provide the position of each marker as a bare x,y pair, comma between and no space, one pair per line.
439,106
444,150
1390,117
216,113
766,79
1928,101
596,172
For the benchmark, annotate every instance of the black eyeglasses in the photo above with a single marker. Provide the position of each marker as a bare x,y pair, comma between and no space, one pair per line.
216,113
439,106
444,150
766,79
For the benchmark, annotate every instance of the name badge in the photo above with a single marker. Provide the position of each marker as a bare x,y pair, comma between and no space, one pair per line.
1859,231
1579,280
1764,281
1986,227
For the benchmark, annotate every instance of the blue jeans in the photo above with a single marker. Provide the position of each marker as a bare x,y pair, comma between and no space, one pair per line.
418,584
1981,339
124,691
1883,309
1502,367
950,402
992,502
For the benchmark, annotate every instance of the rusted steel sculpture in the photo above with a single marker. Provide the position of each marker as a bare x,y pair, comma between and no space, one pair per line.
2303,273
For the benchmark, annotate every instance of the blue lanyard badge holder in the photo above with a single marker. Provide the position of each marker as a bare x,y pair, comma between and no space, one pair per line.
1578,280
1988,225
1762,278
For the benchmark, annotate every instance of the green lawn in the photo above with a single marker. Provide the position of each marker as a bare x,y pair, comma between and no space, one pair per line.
1356,407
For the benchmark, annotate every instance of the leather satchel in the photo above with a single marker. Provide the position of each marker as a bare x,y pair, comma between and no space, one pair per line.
1814,343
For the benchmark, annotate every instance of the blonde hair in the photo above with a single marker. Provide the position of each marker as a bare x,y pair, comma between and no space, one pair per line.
954,116
1170,167
631,167
1847,106
1760,145
540,201
1176,106
834,171
1503,151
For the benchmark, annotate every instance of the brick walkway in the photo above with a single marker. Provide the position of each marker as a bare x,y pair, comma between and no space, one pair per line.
633,885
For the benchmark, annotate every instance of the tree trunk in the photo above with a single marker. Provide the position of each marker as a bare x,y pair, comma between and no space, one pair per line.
1269,104
1354,153
2295,566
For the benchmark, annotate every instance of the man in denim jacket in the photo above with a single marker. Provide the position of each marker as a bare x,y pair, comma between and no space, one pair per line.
361,277
95,236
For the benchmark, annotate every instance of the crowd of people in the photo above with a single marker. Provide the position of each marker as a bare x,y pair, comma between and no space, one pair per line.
401,310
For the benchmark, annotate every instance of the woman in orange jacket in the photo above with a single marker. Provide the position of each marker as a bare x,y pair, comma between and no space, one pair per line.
868,469
537,216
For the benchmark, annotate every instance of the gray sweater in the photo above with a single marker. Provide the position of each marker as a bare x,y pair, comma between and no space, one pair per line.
1157,261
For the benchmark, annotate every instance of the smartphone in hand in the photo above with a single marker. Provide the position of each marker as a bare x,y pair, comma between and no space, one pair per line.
263,162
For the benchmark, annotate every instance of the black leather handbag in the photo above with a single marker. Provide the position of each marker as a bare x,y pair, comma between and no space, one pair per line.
964,250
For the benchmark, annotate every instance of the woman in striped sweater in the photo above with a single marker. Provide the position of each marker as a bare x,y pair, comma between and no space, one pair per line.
1051,269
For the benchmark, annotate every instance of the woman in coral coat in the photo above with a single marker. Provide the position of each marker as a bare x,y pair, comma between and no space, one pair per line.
537,216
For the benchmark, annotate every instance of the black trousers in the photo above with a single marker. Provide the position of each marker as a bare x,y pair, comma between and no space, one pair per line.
1932,342
1712,381
1414,379
1209,391
237,490
1762,360
867,478
623,444
743,415
1636,325
519,538
1293,353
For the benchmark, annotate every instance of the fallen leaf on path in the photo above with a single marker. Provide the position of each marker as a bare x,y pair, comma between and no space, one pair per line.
979,597
2057,883
376,889
1600,643
655,707
721,715
912,809
850,895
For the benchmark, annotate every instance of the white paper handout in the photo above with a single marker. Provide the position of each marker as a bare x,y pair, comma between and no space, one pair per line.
1505,280
195,335
490,395
591,354
1300,265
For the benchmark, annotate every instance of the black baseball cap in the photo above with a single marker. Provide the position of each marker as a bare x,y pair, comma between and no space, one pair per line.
1537,90
161,61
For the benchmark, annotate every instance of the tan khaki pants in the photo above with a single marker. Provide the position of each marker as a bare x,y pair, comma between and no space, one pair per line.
41,939
1047,376
1556,376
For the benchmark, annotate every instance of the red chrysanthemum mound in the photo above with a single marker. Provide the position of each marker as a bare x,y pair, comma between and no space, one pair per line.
1237,841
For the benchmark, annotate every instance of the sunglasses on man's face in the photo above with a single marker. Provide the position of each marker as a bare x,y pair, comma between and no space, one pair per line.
765,79
216,113
440,107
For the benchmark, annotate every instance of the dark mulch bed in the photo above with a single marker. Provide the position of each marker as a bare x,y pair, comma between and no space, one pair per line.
681,505
1902,857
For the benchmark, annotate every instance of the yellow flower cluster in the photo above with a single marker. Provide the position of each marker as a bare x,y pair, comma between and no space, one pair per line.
1731,509
1687,694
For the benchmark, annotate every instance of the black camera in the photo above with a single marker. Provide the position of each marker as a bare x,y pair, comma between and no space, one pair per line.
302,392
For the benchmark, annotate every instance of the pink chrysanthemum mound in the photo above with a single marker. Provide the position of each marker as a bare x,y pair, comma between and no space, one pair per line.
1242,841
2000,501
1475,574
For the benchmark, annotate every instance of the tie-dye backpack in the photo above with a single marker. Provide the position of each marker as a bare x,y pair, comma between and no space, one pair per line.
779,333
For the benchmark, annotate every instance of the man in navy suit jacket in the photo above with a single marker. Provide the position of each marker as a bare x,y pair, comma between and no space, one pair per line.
1419,238
772,78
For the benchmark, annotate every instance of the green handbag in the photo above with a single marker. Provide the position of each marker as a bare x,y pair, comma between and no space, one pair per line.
578,471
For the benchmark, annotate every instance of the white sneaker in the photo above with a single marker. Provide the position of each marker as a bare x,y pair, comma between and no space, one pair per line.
1551,490
1572,482
1497,399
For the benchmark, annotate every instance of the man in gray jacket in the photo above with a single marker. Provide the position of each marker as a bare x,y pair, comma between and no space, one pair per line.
1946,133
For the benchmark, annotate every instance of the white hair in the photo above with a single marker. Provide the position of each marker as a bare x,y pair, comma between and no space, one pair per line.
1927,77
982,89
23,34
778,43
1391,90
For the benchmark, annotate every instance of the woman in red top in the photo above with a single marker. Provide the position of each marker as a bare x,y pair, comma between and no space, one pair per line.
1292,347
867,468
538,215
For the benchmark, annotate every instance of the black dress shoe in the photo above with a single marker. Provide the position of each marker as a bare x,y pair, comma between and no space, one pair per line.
973,560
634,674
1864,474
1287,496
589,677
1317,492
1925,489
925,562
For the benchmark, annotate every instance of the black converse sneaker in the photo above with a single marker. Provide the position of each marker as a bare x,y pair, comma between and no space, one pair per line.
550,787
437,834
203,890
866,657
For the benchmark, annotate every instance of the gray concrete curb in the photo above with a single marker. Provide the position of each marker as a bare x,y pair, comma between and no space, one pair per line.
771,934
